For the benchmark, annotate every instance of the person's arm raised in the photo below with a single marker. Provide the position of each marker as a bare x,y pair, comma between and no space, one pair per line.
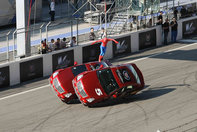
96,42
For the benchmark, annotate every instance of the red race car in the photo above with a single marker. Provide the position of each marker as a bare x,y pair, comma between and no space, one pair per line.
61,80
95,86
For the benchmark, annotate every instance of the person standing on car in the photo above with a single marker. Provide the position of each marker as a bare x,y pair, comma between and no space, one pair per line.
103,46
174,31
52,10
165,27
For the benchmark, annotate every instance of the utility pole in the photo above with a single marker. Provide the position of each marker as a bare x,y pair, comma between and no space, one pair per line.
105,17
23,33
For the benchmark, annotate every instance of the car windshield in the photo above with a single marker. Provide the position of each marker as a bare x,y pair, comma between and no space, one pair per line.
97,65
78,69
107,80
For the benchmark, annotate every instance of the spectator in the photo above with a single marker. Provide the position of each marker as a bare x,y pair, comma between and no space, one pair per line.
166,30
102,33
57,44
183,12
174,32
131,26
63,43
52,10
92,35
160,19
51,45
149,24
45,44
43,47
175,13
72,42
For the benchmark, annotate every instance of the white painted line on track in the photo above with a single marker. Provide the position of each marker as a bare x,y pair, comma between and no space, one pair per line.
13,95
128,62
162,53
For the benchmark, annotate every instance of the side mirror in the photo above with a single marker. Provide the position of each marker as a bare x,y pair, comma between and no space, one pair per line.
115,96
75,63
101,66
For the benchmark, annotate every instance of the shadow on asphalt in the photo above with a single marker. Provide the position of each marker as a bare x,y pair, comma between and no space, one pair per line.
144,95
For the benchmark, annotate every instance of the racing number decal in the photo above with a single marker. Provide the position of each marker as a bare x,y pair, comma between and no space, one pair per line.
98,92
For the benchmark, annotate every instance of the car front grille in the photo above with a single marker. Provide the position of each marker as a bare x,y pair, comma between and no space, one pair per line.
81,90
58,86
75,90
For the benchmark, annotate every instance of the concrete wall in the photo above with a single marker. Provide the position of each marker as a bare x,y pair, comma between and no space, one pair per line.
14,67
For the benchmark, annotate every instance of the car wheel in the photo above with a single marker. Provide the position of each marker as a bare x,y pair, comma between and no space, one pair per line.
65,101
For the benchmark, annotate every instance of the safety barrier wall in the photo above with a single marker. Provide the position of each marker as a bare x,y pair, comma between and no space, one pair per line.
37,66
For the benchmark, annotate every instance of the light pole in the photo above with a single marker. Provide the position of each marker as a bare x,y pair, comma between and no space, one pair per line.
105,16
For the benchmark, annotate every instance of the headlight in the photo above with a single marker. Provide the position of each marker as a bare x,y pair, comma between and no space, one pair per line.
90,100
57,86
81,89
68,95
55,74
79,77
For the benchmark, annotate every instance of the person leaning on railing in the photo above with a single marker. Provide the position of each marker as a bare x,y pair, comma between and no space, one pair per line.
102,33
43,49
57,44
51,45
72,42
92,35
63,43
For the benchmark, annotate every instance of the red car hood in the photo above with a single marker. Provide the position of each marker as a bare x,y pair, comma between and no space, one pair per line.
65,78
92,86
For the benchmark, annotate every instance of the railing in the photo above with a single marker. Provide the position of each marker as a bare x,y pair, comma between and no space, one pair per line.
60,29
35,34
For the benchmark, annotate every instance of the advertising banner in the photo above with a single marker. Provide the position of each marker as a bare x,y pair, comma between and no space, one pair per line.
91,53
4,77
189,28
123,47
31,69
63,60
147,39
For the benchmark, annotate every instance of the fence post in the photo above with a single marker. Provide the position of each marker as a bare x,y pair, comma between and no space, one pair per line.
41,32
14,44
71,28
77,30
7,36
47,32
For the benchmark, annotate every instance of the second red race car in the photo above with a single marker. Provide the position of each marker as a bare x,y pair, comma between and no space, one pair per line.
95,86
61,80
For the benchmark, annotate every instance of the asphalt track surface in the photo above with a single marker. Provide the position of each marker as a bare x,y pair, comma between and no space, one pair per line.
168,103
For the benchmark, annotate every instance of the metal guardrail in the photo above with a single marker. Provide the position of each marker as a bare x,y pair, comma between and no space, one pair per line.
43,31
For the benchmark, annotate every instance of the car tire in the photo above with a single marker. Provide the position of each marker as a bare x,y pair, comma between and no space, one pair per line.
64,101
